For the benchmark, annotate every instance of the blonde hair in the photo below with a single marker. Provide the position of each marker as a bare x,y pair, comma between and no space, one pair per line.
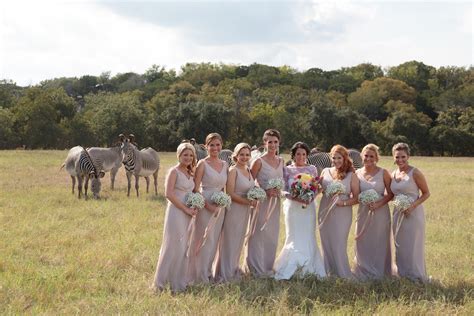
179,151
373,148
238,148
401,146
213,136
347,164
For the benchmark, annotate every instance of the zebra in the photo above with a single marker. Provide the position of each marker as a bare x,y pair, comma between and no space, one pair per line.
140,163
107,159
79,165
323,160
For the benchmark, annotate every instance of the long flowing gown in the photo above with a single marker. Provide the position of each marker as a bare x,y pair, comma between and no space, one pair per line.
212,181
233,233
373,258
300,255
173,265
410,241
262,246
335,229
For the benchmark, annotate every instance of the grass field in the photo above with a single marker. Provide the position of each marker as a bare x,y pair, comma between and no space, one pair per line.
61,255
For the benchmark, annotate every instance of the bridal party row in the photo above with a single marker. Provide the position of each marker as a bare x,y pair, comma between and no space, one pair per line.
204,245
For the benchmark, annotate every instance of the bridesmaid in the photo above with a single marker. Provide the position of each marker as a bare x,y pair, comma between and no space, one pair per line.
262,246
334,228
373,258
173,264
239,182
211,176
410,241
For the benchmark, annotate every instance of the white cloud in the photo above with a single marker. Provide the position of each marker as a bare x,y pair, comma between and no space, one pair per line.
43,40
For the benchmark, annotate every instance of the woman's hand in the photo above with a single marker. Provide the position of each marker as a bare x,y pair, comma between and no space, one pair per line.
191,211
253,203
272,192
408,211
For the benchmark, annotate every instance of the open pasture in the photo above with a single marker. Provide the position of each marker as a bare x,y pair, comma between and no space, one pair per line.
62,255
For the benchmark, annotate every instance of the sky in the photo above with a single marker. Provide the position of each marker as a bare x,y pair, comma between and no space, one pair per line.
48,39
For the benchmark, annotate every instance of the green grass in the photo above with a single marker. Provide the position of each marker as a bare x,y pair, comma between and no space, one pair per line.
62,255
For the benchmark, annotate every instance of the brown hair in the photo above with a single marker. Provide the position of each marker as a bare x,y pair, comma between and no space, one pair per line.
187,146
271,132
238,148
347,165
298,145
213,136
401,146
372,147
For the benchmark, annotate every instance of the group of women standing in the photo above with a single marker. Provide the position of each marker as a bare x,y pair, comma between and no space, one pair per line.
186,257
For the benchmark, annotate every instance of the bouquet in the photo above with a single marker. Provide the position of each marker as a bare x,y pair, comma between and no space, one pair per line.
276,183
195,200
221,199
256,193
335,188
402,202
368,196
304,187
332,191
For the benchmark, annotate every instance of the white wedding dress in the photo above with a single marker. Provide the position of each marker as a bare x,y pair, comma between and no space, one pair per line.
300,255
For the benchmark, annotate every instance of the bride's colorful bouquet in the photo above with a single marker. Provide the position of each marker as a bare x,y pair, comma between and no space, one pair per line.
195,200
304,187
221,199
368,196
256,194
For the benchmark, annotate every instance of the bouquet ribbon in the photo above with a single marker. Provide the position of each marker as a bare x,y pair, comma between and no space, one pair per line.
271,207
328,209
190,232
210,225
397,226
367,222
252,223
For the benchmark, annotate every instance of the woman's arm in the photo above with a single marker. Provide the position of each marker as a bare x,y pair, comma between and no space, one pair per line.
355,190
423,186
230,187
387,180
171,196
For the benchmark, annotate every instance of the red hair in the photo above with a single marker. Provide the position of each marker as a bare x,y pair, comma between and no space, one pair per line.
347,165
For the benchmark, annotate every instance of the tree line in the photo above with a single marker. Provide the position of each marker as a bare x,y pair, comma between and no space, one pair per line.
429,108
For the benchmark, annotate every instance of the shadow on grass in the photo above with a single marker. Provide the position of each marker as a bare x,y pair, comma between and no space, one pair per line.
301,295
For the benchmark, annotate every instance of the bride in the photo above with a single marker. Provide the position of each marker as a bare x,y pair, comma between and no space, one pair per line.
300,254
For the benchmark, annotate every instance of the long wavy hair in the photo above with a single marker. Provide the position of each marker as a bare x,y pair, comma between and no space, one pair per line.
347,165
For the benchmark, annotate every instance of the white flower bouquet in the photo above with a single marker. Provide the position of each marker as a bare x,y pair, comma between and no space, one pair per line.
335,188
195,200
368,196
256,193
402,202
276,183
221,199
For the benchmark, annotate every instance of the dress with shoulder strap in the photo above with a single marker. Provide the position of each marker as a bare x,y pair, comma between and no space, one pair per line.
262,246
410,240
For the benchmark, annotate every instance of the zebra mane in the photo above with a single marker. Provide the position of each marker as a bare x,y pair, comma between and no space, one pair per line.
92,162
